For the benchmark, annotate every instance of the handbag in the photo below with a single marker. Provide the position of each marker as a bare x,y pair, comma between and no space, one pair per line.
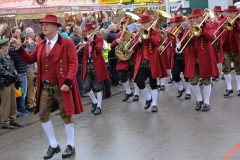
18,92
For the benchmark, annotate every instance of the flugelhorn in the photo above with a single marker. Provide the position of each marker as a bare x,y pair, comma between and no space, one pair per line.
85,39
195,30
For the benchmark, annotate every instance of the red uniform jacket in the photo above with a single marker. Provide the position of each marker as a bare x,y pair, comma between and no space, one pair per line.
237,36
121,65
98,60
203,47
156,64
65,58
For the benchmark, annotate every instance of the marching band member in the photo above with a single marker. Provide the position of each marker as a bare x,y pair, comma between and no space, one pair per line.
179,64
94,69
124,67
230,49
56,82
148,62
198,62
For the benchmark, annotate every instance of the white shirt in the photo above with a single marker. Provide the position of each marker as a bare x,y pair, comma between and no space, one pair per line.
105,45
53,41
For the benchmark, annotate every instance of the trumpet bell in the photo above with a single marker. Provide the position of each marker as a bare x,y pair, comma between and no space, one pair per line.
228,26
171,36
132,16
209,12
196,31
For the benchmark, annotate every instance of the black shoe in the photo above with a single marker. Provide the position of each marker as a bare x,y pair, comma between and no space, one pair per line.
31,109
200,83
239,92
198,105
135,98
180,93
188,96
158,86
9,126
69,151
222,76
228,92
162,88
51,151
16,124
205,107
232,68
170,80
154,108
97,111
127,96
215,78
148,103
94,106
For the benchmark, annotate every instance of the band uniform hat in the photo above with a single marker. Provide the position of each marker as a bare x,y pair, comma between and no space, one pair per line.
4,42
89,26
144,18
217,9
178,18
124,19
232,8
171,20
196,12
49,18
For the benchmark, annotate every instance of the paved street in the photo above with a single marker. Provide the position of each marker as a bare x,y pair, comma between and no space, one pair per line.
125,131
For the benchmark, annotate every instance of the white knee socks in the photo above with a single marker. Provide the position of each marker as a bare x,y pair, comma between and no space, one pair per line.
188,87
238,81
154,96
207,93
146,93
196,91
92,96
126,87
48,128
99,99
169,72
136,89
228,80
70,133
180,86
163,80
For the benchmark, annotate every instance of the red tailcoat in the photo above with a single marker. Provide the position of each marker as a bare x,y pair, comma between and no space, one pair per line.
156,64
202,45
98,60
121,65
65,58
237,36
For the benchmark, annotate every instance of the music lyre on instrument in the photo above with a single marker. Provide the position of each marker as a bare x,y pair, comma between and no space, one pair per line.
227,26
195,30
145,33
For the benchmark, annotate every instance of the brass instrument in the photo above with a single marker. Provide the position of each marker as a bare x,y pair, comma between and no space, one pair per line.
85,39
195,30
145,33
126,36
227,26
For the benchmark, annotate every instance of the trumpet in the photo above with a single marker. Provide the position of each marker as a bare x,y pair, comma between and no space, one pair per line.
85,39
195,30
227,26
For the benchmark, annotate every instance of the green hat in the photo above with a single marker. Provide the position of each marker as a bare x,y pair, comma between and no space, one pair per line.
4,42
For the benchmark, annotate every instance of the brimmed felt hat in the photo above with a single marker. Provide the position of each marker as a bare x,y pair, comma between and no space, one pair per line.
178,18
49,18
4,42
171,20
89,26
144,18
124,19
196,12
217,9
232,8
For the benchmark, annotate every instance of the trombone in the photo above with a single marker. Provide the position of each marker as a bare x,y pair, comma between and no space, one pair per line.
195,30
85,39
227,26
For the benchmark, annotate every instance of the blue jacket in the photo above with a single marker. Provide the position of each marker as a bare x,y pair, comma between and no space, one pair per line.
20,65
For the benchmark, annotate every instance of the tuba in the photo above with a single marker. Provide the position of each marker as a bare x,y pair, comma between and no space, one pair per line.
126,36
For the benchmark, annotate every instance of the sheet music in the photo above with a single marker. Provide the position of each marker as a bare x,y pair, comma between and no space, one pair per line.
133,27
